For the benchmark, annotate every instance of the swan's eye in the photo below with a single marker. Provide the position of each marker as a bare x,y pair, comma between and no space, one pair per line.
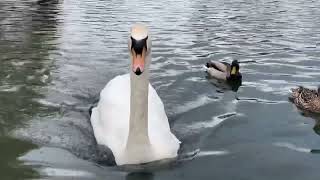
139,45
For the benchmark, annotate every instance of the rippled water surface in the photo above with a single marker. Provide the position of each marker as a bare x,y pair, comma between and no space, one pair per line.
55,57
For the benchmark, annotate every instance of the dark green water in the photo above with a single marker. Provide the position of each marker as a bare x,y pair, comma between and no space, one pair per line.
55,58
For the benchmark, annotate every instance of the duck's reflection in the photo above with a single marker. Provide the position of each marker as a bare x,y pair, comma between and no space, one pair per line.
316,127
316,117
225,86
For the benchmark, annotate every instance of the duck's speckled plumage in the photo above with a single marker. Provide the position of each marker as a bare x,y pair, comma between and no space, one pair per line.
306,99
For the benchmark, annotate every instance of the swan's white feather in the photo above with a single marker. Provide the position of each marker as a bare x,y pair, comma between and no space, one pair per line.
110,122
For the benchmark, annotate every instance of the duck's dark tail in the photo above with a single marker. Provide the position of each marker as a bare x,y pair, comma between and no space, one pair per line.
210,64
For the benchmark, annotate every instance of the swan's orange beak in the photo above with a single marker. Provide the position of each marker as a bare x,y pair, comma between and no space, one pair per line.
138,62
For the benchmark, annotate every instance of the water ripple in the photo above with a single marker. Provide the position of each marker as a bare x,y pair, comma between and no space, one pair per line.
66,51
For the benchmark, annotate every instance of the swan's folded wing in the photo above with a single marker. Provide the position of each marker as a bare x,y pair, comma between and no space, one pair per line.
110,119
159,129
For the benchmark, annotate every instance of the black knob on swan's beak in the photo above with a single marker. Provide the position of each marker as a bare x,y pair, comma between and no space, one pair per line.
138,71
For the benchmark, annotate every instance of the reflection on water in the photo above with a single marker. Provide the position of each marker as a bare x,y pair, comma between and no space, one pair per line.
315,117
10,167
139,176
316,127
223,86
27,36
57,56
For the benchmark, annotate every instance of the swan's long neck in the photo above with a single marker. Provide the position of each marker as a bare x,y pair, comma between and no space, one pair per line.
138,127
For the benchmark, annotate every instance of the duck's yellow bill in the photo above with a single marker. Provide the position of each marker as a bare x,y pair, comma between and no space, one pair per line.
233,71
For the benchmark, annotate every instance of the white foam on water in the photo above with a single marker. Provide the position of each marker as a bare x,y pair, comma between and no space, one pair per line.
212,153
292,147
200,101
7,88
58,172
196,79
48,103
209,124
215,121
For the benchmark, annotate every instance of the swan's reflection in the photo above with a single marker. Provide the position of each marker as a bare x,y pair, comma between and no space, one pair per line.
140,176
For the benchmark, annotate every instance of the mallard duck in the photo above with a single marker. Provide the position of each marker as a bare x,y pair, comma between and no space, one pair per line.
306,99
224,71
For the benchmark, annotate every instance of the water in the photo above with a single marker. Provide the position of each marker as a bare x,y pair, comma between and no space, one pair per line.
56,57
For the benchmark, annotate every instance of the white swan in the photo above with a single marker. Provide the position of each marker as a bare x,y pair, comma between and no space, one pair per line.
130,118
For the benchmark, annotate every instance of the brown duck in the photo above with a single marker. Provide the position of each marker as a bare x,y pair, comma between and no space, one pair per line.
306,99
